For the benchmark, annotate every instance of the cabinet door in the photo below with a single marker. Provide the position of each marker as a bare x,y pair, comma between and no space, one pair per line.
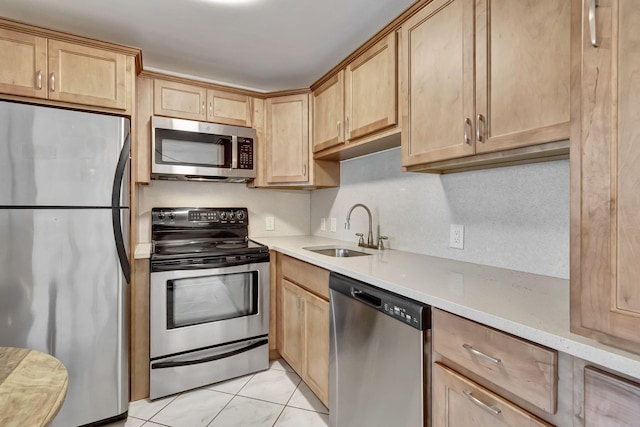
610,400
228,108
179,100
24,64
523,66
370,90
86,75
437,75
292,325
287,149
316,351
459,402
605,225
328,113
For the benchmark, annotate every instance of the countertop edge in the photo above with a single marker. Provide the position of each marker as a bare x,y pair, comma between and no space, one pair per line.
556,337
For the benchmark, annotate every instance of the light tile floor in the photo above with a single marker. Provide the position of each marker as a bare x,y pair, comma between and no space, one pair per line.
272,398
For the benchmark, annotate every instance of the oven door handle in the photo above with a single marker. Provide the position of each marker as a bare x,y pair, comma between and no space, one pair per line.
161,365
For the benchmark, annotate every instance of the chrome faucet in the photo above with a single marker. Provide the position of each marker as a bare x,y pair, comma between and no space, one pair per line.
369,243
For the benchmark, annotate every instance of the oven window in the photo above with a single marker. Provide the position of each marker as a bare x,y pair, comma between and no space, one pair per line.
197,300
192,148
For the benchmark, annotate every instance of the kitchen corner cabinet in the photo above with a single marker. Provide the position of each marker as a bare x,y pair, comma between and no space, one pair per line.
605,225
64,71
609,400
287,134
303,321
358,101
194,102
284,161
506,88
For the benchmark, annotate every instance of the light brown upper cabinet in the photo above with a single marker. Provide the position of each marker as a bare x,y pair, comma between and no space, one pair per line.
359,100
24,64
328,113
63,71
194,102
287,139
284,125
482,76
228,108
605,201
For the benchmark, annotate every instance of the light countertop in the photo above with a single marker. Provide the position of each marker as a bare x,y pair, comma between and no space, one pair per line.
530,306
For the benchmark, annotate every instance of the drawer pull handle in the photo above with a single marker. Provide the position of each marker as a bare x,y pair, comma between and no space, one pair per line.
491,409
480,354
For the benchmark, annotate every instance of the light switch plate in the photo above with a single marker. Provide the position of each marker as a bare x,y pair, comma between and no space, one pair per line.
323,224
456,236
334,225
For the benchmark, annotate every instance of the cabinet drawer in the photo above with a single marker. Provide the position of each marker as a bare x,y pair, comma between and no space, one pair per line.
457,401
526,370
310,277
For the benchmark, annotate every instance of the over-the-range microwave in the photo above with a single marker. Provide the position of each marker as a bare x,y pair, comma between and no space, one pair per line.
190,150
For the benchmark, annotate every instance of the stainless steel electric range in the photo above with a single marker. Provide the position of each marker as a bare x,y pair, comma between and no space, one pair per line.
209,299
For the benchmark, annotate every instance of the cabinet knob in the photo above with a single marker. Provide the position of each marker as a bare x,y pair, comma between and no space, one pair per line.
52,81
39,80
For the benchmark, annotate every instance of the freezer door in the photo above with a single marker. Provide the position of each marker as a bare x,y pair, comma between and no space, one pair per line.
54,157
62,292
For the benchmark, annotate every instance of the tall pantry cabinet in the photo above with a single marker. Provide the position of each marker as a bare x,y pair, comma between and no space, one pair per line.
605,176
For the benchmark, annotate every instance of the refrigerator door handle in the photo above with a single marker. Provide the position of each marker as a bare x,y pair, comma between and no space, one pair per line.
115,208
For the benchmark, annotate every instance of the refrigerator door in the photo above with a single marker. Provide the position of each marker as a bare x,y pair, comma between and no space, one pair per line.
55,157
62,292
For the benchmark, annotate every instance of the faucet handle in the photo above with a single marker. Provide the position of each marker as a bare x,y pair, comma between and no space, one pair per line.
381,240
361,240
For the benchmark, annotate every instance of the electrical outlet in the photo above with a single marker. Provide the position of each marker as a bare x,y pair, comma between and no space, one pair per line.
334,225
456,236
323,224
270,223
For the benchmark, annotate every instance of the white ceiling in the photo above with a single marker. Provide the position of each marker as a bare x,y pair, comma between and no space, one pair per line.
266,45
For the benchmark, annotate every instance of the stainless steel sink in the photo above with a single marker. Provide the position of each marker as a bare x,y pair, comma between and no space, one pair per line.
335,251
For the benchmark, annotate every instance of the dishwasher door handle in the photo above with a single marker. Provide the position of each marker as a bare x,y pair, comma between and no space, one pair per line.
366,298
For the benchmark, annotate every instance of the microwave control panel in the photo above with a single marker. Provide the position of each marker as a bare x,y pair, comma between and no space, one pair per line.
245,153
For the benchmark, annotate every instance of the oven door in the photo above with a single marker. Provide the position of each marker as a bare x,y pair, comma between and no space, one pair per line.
195,309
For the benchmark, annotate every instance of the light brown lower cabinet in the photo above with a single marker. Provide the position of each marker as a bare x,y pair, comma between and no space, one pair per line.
459,402
610,400
305,341
303,322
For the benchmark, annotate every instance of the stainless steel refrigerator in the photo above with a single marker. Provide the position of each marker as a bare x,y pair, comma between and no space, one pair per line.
64,270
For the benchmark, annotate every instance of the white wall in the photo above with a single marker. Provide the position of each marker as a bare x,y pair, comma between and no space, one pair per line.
514,217
289,208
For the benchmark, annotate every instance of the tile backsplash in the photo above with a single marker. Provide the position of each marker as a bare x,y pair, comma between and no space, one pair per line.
514,217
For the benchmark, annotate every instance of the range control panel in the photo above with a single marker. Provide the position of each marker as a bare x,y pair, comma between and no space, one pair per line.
187,216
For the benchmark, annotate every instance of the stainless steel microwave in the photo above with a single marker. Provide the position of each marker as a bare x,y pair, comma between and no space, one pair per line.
189,150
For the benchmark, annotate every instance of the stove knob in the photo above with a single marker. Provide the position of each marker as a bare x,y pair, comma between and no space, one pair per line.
224,215
240,215
172,215
161,215
231,215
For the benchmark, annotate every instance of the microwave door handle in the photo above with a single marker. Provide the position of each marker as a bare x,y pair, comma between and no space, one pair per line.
234,152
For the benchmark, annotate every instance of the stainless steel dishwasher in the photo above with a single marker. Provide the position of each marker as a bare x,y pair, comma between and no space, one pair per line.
380,354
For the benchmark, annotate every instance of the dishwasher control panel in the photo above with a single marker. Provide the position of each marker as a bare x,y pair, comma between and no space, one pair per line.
411,313
402,313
